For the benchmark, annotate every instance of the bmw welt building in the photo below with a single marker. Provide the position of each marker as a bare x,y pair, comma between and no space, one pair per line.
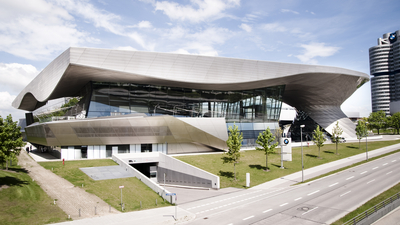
133,101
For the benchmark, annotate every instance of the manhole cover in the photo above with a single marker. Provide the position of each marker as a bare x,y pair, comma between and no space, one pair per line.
304,208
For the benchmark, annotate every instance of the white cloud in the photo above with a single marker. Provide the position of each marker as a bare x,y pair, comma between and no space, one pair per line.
245,27
250,17
14,76
289,11
6,108
126,48
36,29
199,42
144,24
273,27
316,50
106,20
197,11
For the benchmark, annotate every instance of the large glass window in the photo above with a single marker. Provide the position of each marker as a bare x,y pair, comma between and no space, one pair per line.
240,106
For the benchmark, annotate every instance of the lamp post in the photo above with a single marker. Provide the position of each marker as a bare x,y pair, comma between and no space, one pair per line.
366,142
302,165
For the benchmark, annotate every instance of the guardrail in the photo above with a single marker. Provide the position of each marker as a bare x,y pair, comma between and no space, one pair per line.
376,212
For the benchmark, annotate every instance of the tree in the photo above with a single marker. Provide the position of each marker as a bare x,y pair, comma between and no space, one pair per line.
318,139
395,121
361,131
265,140
234,144
377,120
10,139
336,132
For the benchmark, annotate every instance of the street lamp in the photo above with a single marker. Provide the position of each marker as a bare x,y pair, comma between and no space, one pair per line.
366,141
302,165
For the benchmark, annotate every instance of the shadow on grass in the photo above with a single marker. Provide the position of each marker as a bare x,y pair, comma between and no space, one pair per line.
12,181
351,147
276,165
19,170
311,155
329,152
259,167
226,174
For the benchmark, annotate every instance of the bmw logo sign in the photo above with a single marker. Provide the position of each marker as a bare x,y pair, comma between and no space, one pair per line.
392,37
286,141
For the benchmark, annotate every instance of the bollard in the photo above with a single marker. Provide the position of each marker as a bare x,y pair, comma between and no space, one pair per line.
95,210
82,185
54,201
109,206
140,204
51,168
79,212
69,216
156,201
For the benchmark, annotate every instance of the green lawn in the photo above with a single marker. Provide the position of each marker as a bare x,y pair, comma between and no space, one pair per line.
387,194
253,162
22,201
133,192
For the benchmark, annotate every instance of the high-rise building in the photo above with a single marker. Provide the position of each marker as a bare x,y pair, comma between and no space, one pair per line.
384,60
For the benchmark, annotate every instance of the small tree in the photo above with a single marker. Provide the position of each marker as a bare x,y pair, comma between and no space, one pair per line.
265,140
318,139
377,120
361,131
10,139
395,121
336,132
234,144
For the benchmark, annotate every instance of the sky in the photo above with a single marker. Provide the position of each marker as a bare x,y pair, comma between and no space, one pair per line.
321,32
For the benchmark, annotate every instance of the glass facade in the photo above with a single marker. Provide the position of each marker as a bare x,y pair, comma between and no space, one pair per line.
245,106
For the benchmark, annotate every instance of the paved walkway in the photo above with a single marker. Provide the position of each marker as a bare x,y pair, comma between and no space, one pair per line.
69,198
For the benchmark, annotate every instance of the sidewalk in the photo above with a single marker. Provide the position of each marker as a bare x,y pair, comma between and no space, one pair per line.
70,199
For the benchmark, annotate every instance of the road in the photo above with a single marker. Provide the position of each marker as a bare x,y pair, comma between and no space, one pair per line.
320,202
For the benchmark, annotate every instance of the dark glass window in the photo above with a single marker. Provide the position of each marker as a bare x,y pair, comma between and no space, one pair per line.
146,147
241,106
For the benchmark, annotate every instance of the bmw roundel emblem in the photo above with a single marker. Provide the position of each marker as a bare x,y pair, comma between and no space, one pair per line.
392,37
286,141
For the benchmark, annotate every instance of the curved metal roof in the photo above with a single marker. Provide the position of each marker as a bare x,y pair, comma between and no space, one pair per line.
311,88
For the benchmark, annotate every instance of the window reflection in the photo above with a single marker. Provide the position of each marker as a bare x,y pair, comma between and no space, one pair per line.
244,106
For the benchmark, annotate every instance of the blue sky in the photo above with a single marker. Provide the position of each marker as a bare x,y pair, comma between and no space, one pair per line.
323,32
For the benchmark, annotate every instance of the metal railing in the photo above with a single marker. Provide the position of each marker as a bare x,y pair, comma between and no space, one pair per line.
376,212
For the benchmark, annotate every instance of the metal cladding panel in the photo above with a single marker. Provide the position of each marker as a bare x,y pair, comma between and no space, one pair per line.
305,85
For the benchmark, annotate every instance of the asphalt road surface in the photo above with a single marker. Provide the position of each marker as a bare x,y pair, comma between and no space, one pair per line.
319,202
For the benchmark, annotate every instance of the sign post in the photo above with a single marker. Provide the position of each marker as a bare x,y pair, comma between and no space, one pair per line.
120,187
176,203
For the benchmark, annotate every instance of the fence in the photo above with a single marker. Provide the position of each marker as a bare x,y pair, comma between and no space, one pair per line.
376,212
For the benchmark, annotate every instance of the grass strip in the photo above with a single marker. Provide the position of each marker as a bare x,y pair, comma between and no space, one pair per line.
350,166
383,196
23,201
253,162
133,193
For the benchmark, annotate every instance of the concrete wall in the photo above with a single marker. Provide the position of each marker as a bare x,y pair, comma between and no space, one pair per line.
189,175
123,162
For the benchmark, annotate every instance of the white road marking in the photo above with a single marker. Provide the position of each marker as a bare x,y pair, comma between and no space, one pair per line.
230,224
333,184
375,168
298,198
394,160
345,193
267,210
385,164
389,172
313,192
350,178
363,172
284,204
309,211
370,181
248,217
